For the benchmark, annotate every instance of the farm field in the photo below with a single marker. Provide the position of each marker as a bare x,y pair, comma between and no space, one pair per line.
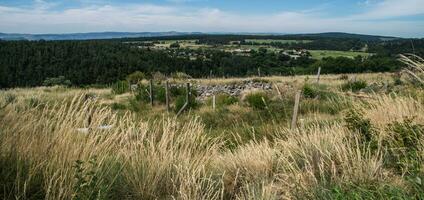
356,136
268,41
263,43
319,54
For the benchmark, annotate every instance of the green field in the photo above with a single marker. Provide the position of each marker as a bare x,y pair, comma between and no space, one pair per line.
316,54
269,41
319,54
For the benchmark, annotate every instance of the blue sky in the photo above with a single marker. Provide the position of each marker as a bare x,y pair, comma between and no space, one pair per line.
383,17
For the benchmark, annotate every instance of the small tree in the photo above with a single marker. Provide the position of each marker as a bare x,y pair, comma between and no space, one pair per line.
175,45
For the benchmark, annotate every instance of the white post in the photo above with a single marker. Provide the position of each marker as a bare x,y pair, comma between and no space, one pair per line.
295,109
213,102
318,75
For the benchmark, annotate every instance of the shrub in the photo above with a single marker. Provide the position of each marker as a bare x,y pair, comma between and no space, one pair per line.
142,93
354,86
181,100
181,76
120,87
86,178
118,106
135,105
343,77
136,77
310,91
61,80
158,76
257,100
223,99
313,91
355,121
175,45
404,146
159,93
397,79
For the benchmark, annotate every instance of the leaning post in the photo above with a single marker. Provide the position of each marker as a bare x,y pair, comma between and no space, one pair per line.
318,74
167,95
214,102
296,109
151,92
187,99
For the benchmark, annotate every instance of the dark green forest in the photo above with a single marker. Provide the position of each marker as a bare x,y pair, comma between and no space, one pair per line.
29,63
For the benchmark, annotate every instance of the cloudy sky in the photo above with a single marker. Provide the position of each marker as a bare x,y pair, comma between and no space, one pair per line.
383,17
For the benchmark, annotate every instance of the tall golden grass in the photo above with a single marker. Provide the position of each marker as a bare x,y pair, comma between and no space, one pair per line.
168,159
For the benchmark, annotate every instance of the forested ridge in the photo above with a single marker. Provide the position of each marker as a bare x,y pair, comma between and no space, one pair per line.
29,63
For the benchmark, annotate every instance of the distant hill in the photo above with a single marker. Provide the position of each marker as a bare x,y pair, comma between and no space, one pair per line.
88,36
117,35
349,35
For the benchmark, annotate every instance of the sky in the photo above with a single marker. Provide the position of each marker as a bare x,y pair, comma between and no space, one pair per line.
404,18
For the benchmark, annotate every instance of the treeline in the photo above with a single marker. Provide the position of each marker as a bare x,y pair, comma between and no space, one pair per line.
321,44
25,63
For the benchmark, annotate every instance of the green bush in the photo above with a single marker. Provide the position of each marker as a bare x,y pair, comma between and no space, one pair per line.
343,77
181,100
142,94
223,99
118,106
61,80
257,100
158,76
310,91
354,86
120,87
135,105
175,45
355,121
136,77
88,185
404,144
181,76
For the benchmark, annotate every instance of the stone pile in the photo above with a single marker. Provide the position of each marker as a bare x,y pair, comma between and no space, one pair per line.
205,91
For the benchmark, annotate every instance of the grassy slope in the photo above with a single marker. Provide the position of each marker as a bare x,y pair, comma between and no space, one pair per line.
235,152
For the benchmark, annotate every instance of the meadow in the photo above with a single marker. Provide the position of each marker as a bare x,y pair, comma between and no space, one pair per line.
262,43
269,41
320,54
358,136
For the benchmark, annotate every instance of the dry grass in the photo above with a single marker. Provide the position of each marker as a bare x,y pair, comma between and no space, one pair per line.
169,158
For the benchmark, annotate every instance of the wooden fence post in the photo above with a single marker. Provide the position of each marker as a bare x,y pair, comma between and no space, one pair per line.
296,109
259,71
188,93
151,92
318,75
167,95
214,102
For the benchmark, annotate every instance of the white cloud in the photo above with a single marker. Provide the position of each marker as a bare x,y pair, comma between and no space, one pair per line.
149,17
392,8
